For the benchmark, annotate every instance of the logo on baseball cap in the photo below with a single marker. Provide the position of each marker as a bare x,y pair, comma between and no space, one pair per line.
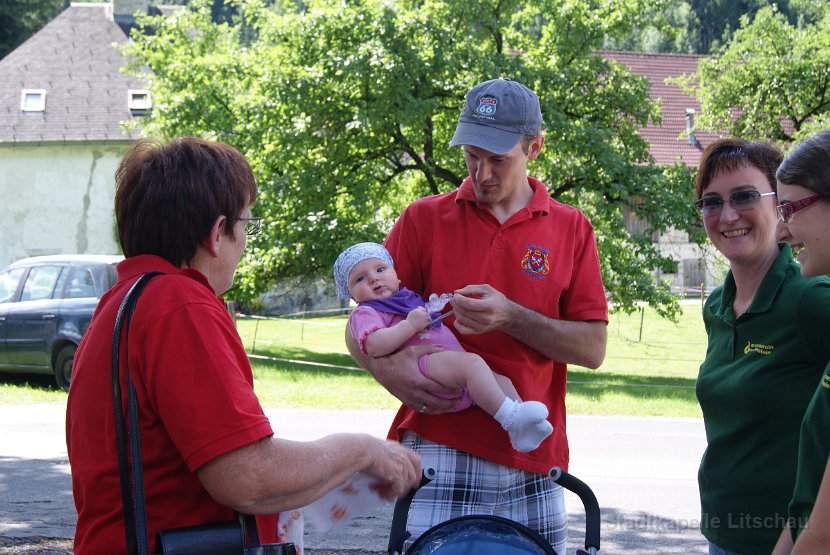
496,114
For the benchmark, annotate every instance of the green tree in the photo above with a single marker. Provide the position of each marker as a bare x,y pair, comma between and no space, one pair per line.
700,26
19,19
718,18
345,111
771,81
671,26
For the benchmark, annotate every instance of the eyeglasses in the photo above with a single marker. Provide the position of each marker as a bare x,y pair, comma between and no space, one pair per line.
786,210
740,201
252,225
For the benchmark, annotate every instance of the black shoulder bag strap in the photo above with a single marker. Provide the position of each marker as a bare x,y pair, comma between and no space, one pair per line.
132,493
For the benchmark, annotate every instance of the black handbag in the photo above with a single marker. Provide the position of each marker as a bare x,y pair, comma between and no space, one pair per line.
222,538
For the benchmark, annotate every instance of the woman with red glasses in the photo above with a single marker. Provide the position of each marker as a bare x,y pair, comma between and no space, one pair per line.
804,189
758,375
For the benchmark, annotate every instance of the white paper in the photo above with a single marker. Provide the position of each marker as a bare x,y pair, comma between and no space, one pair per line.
355,497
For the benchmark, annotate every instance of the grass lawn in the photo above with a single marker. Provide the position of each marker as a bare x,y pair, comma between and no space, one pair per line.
650,368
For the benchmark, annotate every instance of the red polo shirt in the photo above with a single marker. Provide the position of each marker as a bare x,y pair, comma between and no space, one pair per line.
545,258
195,392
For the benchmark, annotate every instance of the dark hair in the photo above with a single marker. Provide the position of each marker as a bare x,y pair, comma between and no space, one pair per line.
731,154
808,165
168,196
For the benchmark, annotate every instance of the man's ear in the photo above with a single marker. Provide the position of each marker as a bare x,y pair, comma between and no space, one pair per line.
214,238
535,147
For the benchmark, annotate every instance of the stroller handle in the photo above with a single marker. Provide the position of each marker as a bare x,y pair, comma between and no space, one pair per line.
589,501
398,535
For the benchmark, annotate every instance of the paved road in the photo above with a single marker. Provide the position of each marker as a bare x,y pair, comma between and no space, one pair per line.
643,471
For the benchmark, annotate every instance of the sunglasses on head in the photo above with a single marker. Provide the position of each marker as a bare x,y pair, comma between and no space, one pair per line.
252,225
741,200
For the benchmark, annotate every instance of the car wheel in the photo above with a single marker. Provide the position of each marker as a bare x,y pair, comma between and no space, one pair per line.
63,366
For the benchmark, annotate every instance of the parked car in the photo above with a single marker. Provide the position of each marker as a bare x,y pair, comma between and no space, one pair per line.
46,303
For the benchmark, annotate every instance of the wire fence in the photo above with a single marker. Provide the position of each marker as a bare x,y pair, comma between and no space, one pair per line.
642,352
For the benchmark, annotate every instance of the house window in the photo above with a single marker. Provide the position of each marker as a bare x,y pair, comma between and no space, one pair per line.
33,100
139,101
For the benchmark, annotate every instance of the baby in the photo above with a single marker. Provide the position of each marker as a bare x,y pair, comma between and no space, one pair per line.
389,317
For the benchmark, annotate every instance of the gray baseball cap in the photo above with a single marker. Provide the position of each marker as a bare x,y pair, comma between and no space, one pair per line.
496,114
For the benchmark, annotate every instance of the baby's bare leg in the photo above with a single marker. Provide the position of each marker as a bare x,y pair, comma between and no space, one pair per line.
525,422
506,385
459,369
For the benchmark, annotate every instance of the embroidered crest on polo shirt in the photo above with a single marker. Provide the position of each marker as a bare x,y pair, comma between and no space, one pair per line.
535,262
487,107
759,348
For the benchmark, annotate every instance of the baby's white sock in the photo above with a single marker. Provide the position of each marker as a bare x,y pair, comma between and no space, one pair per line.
526,423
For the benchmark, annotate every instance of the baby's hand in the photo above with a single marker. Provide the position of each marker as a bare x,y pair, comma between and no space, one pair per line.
419,318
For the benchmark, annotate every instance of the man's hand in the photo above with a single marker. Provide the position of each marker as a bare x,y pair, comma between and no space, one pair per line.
400,375
479,309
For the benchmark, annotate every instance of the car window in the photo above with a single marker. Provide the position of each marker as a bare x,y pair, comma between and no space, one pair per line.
40,283
80,284
8,283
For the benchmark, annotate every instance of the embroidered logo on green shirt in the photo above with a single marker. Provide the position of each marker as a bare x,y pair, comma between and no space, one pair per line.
825,381
758,348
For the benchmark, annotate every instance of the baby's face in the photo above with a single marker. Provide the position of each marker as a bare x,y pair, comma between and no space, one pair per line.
373,279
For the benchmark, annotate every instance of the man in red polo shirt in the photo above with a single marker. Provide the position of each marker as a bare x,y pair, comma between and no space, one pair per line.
528,298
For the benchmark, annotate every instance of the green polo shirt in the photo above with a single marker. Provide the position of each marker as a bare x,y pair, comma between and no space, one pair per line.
760,372
813,451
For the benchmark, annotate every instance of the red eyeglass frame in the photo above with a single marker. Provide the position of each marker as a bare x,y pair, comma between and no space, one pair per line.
786,210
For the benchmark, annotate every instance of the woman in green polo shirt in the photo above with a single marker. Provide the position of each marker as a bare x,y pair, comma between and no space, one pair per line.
804,191
766,352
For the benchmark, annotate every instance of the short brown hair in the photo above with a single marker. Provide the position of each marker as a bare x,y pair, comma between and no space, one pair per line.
168,196
731,154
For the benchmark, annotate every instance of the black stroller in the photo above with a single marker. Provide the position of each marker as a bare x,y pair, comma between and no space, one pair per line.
491,535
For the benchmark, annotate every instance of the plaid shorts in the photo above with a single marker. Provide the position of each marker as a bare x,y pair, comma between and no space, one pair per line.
466,484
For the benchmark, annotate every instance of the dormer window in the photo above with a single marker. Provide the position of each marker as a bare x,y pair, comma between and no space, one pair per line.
33,100
139,101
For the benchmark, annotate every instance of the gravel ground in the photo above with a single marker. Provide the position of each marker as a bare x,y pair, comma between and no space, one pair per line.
59,546
35,546
643,470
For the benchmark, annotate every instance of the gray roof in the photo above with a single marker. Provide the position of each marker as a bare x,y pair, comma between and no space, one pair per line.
73,58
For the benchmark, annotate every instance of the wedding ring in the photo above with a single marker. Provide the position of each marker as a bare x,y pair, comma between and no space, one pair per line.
424,408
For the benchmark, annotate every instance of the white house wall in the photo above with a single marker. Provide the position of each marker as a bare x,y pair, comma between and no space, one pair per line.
676,245
57,199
